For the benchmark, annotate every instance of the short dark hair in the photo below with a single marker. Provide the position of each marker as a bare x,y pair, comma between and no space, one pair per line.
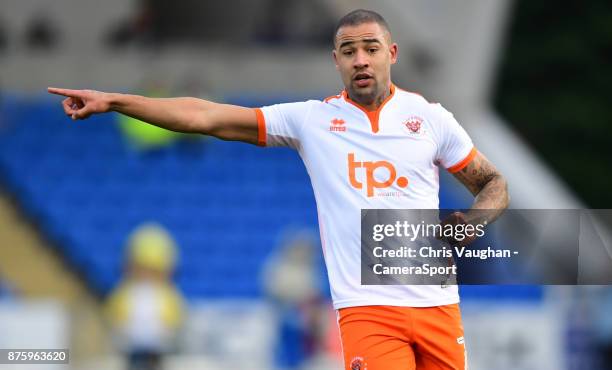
360,16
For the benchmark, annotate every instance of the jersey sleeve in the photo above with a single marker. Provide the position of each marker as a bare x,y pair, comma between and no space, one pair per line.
281,124
455,147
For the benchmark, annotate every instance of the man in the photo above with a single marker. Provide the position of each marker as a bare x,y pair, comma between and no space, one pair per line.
146,309
344,141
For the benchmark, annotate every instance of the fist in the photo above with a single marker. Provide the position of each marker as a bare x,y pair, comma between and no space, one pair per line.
457,218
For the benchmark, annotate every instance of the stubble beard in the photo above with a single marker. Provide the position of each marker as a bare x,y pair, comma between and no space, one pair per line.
365,97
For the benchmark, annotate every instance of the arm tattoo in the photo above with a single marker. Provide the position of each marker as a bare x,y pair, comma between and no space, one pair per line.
488,186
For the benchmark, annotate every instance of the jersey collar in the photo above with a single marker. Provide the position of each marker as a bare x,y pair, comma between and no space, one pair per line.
372,115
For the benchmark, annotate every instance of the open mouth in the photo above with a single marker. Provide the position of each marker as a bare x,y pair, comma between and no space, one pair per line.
362,79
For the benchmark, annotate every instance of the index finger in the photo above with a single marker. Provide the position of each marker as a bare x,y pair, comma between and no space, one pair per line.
64,92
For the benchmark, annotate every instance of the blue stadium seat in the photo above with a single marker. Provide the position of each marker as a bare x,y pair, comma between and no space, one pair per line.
88,190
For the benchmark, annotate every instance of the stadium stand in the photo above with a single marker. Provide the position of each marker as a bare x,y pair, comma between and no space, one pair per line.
226,203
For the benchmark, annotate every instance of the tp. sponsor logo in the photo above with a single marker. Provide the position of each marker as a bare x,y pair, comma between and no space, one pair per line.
371,167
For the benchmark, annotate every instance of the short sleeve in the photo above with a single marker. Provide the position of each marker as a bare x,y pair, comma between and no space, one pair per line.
455,148
281,124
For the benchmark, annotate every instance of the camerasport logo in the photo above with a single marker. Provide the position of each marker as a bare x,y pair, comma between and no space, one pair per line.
414,125
337,125
378,182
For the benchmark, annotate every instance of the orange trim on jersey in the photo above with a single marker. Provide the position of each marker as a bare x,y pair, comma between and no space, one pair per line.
261,127
372,115
461,165
332,97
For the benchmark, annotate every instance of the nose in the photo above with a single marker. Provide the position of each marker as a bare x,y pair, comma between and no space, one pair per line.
361,60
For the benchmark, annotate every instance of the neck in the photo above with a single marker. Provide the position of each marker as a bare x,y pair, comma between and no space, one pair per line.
371,103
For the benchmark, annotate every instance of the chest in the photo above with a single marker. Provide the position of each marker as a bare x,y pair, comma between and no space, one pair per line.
402,137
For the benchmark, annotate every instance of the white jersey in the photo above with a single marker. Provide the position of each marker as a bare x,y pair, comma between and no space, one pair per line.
385,159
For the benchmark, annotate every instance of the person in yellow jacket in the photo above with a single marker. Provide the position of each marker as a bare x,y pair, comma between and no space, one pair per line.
146,309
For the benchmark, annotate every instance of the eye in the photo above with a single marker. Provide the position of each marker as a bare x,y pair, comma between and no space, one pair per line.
347,52
372,50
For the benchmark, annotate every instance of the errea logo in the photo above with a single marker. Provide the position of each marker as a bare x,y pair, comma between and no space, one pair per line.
370,181
337,125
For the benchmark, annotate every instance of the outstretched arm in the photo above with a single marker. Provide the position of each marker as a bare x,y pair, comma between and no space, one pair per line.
191,115
488,186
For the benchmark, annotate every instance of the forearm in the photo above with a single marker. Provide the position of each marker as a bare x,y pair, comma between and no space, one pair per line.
489,188
490,202
225,121
176,114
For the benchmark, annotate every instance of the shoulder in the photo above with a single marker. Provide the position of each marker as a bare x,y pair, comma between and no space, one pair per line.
436,117
411,96
418,104
331,98
433,112
298,108
332,101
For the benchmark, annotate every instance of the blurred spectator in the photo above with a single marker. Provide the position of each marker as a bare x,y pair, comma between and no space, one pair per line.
148,138
146,309
603,326
41,33
579,336
6,291
3,120
3,37
292,283
293,22
145,137
137,29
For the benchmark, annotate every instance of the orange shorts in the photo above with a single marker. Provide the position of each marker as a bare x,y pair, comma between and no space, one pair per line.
402,338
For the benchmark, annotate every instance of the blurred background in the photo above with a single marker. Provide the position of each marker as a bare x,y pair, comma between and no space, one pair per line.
143,249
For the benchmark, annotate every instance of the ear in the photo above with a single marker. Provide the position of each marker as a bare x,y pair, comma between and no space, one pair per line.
393,52
335,56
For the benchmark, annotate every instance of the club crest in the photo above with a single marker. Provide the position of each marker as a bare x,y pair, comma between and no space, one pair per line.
413,124
357,363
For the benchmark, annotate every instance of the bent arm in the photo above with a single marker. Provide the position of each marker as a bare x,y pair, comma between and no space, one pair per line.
190,115
489,188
